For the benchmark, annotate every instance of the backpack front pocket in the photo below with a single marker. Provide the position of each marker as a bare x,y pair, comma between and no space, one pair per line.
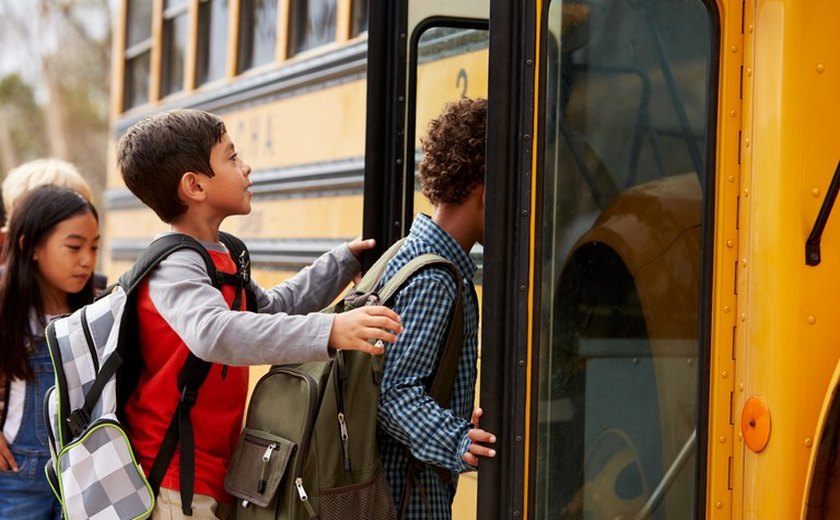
258,466
99,477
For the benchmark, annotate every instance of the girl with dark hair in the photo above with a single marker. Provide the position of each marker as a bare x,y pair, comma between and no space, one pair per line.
50,253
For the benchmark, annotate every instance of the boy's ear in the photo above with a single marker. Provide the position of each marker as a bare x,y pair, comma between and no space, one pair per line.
191,187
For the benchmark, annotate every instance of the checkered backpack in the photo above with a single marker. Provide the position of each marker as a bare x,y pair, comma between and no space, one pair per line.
96,359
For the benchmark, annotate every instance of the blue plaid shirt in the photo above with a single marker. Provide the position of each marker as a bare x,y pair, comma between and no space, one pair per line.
408,416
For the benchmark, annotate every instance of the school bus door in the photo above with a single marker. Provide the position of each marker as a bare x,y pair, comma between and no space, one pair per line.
595,319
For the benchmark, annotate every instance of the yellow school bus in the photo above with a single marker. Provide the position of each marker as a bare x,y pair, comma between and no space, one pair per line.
660,266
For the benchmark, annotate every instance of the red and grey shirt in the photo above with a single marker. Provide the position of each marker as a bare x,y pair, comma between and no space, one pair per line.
180,310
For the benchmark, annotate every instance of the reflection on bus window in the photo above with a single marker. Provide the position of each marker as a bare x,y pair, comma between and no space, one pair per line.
138,50
212,41
257,33
311,24
175,20
625,130
360,17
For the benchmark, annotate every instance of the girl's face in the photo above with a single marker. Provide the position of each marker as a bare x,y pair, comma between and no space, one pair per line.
66,258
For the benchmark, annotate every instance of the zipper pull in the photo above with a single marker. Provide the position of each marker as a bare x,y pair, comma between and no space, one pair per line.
265,458
344,441
224,371
301,492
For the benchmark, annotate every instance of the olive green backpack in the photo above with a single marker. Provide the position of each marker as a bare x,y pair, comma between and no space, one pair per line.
308,449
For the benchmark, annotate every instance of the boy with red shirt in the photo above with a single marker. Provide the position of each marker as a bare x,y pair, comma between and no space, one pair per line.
183,165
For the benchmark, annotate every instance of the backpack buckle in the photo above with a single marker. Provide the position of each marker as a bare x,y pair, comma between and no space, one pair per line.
77,421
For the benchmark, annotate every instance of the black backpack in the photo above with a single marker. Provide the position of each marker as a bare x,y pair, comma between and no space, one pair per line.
97,360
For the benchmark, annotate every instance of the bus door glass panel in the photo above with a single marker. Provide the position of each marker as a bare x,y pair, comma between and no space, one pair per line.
312,24
175,20
451,64
257,33
212,41
626,106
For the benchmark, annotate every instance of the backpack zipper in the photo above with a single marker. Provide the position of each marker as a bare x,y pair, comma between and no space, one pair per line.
311,412
339,376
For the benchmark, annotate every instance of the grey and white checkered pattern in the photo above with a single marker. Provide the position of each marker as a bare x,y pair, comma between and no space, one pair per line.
99,477
96,475
77,357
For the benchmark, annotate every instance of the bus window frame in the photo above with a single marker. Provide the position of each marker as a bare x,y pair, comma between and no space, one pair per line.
169,17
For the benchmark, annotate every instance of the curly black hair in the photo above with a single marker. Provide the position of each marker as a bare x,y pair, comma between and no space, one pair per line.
453,151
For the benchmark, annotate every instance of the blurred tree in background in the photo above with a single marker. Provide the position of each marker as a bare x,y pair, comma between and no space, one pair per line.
54,83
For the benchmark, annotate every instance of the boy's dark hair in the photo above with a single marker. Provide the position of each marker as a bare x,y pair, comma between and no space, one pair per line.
36,214
158,150
453,151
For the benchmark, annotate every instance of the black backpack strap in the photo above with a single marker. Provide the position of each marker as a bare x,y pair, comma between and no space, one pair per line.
195,370
242,258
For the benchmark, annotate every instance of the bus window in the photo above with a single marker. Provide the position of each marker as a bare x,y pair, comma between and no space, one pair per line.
138,50
627,89
212,41
451,63
175,19
312,23
257,33
360,17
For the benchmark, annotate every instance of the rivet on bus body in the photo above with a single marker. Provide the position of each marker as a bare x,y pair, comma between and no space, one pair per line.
741,387
518,438
749,72
747,142
750,28
812,320
730,243
722,439
743,317
740,437
527,137
731,178
719,505
734,48
521,363
820,68
809,442
529,61
746,192
522,288
689,361
724,374
732,113
743,262
726,308
635,361
815,192
524,212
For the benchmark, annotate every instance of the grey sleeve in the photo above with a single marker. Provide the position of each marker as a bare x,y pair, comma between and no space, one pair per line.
313,288
181,291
